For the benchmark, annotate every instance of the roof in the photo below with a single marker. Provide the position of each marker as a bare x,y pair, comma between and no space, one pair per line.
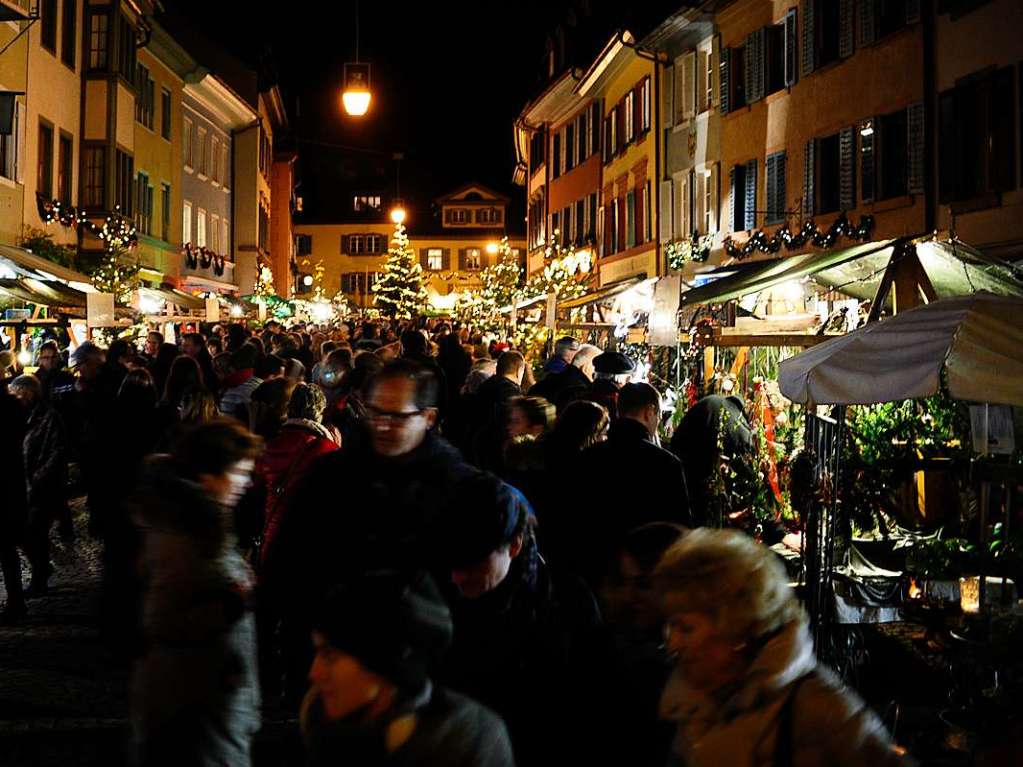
486,193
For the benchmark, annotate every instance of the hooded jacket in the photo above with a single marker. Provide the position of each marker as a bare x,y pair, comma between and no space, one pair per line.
830,725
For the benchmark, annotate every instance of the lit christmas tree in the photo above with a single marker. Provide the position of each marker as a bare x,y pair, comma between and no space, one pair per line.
399,290
502,285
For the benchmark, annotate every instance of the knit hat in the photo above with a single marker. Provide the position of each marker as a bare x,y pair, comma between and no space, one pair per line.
485,515
396,625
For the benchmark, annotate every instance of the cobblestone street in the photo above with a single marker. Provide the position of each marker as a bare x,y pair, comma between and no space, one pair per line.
62,699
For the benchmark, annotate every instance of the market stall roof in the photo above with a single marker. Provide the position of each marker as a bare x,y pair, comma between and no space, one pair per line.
608,291
777,271
28,264
177,297
977,339
42,292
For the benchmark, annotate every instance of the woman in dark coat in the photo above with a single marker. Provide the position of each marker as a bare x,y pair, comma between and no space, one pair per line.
195,693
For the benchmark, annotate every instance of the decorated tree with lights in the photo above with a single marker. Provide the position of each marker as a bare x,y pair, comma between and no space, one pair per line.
118,272
264,287
399,292
502,285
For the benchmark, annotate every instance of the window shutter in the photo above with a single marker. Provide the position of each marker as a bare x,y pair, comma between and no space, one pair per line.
912,11
424,259
715,198
809,191
771,203
723,82
867,22
751,194
461,259
702,102
715,56
867,165
754,65
19,136
667,95
641,213
791,47
446,259
915,151
807,48
665,207
847,169
846,45
344,243
699,182
689,84
447,215
732,191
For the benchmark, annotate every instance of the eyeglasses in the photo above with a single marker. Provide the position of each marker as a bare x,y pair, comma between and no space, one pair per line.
386,416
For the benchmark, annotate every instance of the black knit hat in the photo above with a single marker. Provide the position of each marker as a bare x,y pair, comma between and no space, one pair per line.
395,624
613,363
485,514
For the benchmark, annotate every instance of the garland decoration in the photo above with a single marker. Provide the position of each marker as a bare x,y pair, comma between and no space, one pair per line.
695,250
809,232
201,256
117,231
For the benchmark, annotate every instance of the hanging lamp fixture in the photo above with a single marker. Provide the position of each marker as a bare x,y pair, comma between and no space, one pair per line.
356,95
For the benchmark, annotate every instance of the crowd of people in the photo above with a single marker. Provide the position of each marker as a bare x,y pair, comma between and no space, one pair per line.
428,555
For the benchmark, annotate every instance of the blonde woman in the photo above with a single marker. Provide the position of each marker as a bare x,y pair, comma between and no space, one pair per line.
746,688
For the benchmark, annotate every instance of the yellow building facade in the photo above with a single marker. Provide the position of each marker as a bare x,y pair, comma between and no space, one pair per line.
13,77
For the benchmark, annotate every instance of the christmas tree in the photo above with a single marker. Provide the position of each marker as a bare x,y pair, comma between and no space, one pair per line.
501,287
399,290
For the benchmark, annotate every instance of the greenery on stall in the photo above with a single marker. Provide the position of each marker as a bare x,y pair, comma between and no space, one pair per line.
42,244
941,559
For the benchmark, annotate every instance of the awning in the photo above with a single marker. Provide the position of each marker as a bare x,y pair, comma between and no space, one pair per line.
28,264
608,291
210,284
525,303
777,271
177,297
42,292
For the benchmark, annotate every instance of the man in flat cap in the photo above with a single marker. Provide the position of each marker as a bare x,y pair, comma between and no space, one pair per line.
565,349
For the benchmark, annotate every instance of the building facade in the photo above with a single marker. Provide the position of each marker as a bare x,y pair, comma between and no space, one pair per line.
13,144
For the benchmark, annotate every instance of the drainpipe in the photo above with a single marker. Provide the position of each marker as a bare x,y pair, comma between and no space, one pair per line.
930,122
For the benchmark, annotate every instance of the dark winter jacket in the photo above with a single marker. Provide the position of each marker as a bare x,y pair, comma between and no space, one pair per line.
551,387
46,456
622,483
447,730
55,382
285,461
196,690
489,419
12,468
522,650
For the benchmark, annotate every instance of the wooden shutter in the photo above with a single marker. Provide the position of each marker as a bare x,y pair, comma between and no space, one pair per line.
715,56
445,262
637,110
756,49
689,84
715,198
912,11
344,243
809,188
846,45
424,258
732,191
665,227
915,171
867,164
776,192
751,194
807,47
595,125
723,79
461,260
667,95
702,102
867,23
847,168
791,48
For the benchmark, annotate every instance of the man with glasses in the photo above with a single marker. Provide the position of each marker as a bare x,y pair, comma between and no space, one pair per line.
372,506
53,376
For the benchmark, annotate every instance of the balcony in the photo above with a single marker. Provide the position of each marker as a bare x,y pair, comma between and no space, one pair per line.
201,266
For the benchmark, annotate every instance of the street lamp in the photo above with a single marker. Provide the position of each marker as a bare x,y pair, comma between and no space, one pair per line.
398,213
356,95
491,248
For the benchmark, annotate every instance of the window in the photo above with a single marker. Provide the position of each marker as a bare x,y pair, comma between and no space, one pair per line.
48,23
595,126
579,217
977,135
473,259
263,230
706,61
125,48
776,200
743,196
630,218
99,38
644,91
356,244
10,164
123,178
710,203
828,173
188,146
591,228
200,228
630,117
537,144
165,212
215,159
826,32
94,186
375,243
186,224
566,226
737,79
458,216
608,140
304,244
265,153
434,259
44,169
202,146
612,238
143,205
215,233
583,137
570,147
775,58
488,216
65,168
68,38
144,96
648,219
556,153
165,113
363,202
892,178
685,219
879,18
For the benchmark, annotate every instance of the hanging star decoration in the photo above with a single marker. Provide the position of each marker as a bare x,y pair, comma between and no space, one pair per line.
808,233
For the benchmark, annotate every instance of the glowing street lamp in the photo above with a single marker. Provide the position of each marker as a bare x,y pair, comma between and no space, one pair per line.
492,248
357,95
398,213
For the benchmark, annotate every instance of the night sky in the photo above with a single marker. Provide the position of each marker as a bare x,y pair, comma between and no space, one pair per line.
449,78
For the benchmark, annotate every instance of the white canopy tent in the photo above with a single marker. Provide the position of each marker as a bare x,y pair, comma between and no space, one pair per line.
977,339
